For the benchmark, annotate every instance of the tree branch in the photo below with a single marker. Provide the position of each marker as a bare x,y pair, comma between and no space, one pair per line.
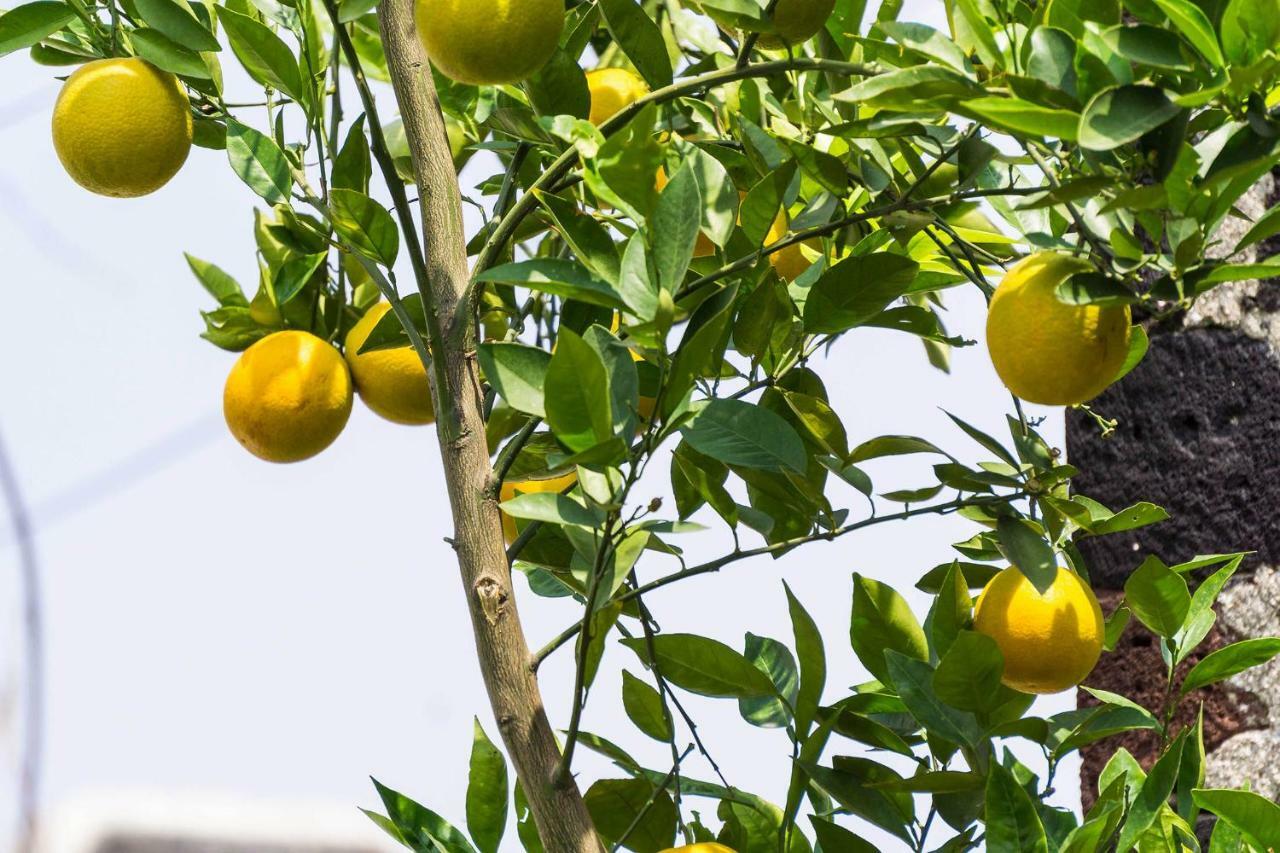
719,563
564,825
507,226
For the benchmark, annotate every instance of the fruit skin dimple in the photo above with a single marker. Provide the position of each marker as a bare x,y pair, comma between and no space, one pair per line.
1046,351
1050,642
704,847
511,488
392,382
612,89
122,127
288,397
490,42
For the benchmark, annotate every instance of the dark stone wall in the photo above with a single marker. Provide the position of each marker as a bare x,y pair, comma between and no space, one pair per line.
1199,434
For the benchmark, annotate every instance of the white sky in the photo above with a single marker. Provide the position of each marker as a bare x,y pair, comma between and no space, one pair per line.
221,626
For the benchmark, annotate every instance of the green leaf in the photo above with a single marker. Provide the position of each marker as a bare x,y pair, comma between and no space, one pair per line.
1230,660
918,88
1139,343
353,167
643,705
263,54
1147,45
1256,817
774,660
1122,115
551,507
558,277
856,290
174,19
486,793
526,829
834,838
615,805
560,87
703,666
1201,616
1194,25
1250,29
927,41
26,25
259,162
365,225
218,283
579,410
1154,794
1012,823
968,676
518,372
1025,118
294,275
849,782
674,228
813,663
892,445
420,827
740,433
640,39
589,240
1024,546
1267,226
701,350
1131,518
1158,596
882,621
913,679
165,54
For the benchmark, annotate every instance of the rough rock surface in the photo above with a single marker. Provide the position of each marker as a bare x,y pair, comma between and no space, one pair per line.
1199,434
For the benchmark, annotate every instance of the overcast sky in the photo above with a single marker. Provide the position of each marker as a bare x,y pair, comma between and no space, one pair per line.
225,628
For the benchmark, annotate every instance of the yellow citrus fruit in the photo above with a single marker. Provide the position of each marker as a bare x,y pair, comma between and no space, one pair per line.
797,21
1046,351
704,847
528,487
122,127
789,262
490,42
288,397
1050,642
612,89
392,382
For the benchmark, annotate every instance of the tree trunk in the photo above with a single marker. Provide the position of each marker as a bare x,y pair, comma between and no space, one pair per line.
1198,435
557,806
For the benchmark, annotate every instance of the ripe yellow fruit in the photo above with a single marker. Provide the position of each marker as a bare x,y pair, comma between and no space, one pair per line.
392,382
1050,642
1046,351
490,42
704,847
612,89
122,127
797,21
789,262
288,397
528,487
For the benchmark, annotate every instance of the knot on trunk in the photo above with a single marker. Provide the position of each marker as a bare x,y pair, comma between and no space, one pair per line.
492,597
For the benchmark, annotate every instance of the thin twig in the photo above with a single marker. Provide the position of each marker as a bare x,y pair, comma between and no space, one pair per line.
735,556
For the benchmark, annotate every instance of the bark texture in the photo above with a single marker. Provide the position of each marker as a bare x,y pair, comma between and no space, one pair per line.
1198,435
558,809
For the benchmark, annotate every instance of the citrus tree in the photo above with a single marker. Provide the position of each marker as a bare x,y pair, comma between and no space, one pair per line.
672,239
